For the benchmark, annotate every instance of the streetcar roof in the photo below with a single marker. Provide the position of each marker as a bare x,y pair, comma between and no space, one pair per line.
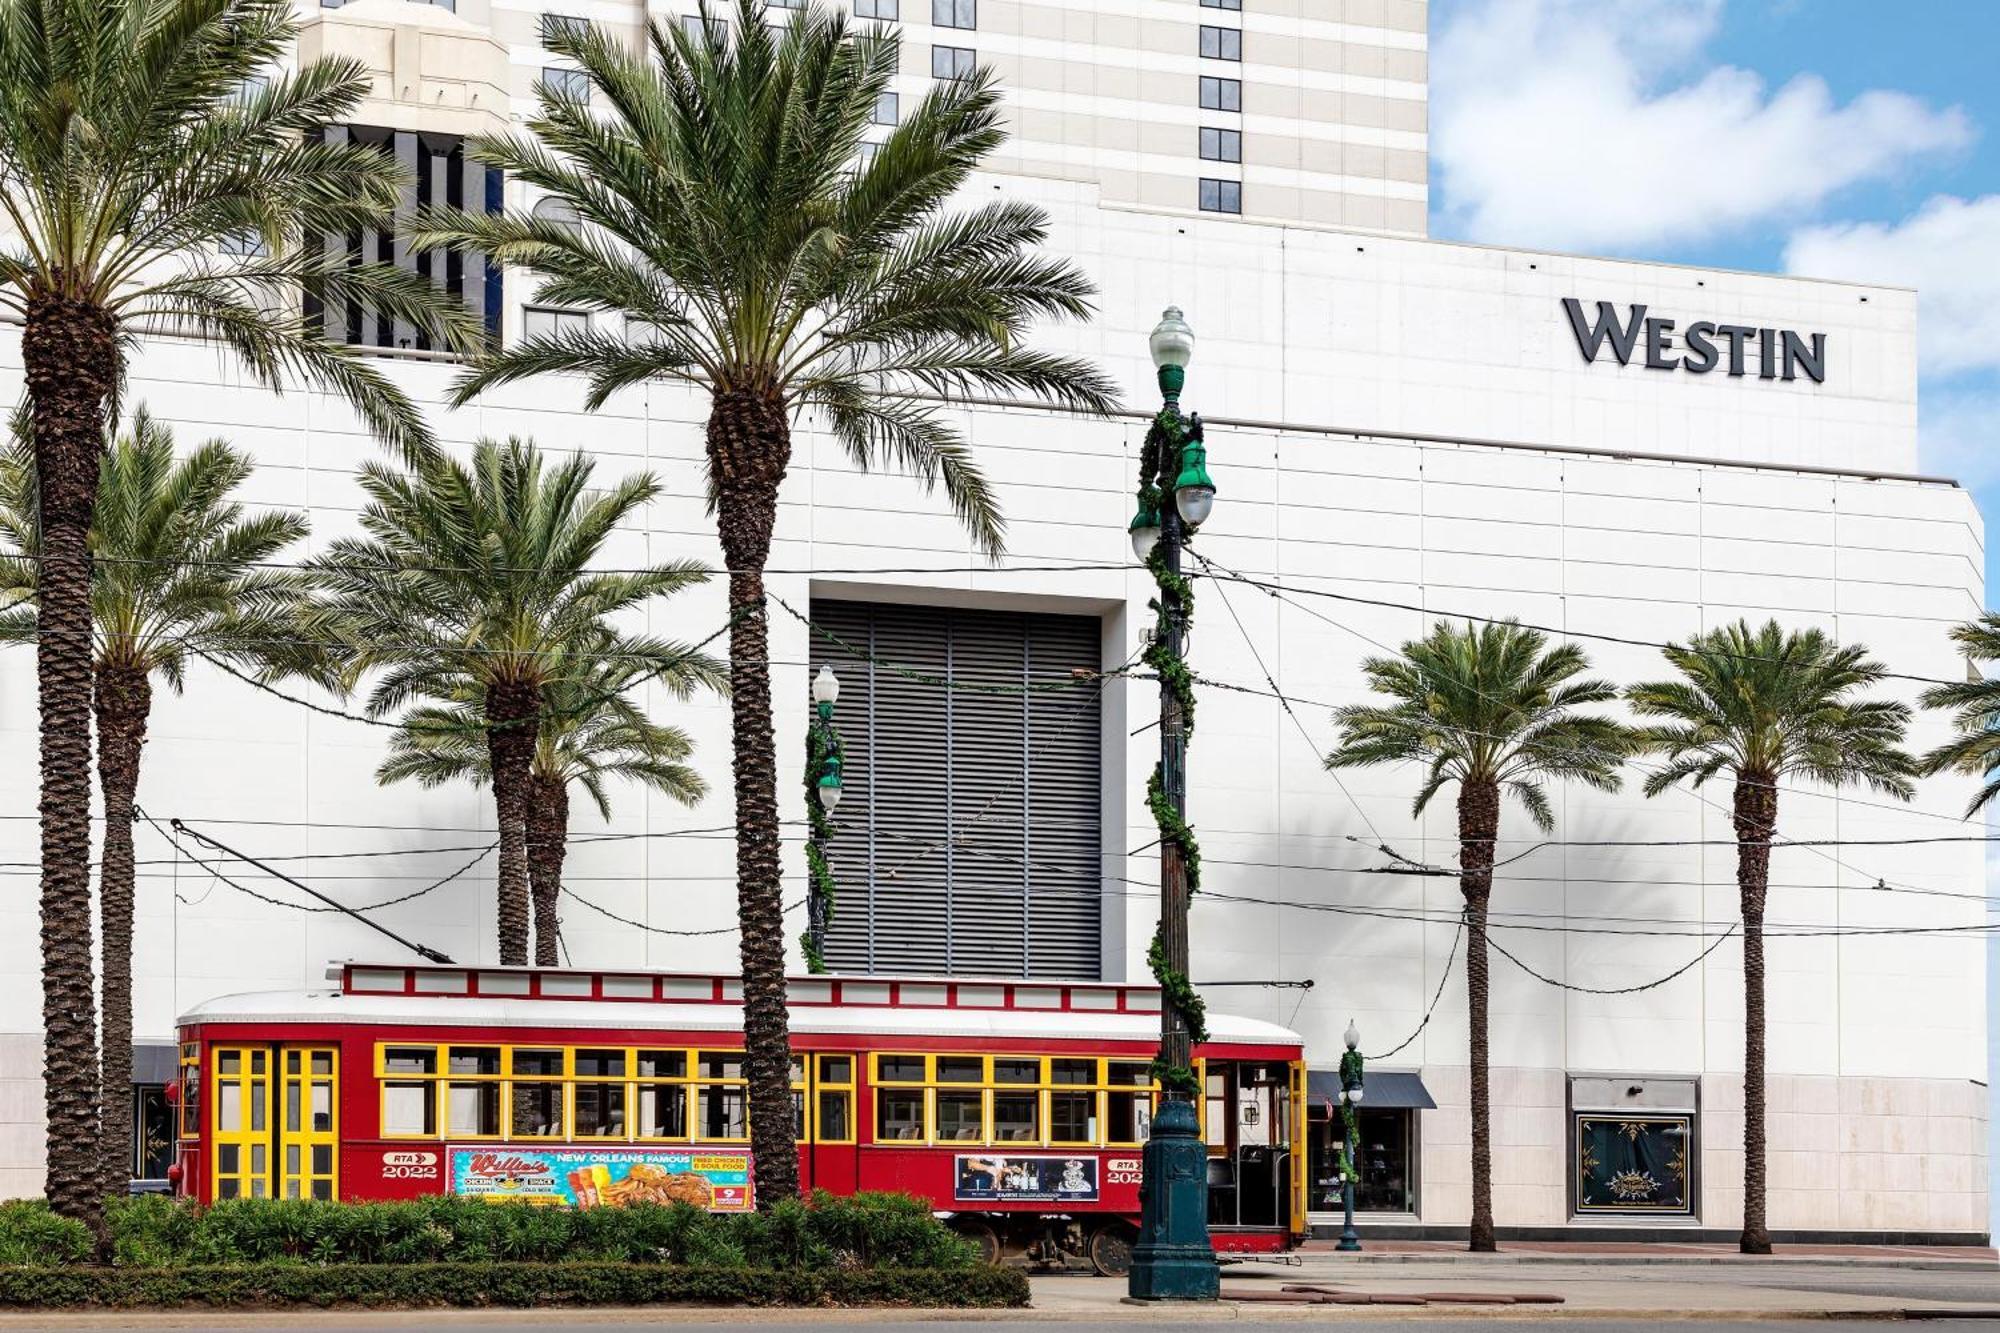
318,1007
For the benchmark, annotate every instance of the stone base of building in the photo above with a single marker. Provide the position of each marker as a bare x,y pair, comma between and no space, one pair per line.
1642,1235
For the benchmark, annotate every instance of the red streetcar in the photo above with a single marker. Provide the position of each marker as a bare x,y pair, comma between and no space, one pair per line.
1018,1108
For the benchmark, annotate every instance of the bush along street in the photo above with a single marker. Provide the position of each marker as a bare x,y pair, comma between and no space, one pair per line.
867,1249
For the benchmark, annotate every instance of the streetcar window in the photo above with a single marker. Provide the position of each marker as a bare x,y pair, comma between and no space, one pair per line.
600,1064
960,1116
833,1117
473,1109
798,1069
1016,1117
662,1111
723,1111
407,1060
1072,1071
600,1108
833,1108
1129,1116
1073,1117
899,1068
899,1113
1133,1072
663,1064
1017,1071
722,1064
190,1090
960,1069
473,1060
409,1108
548,1064
536,1103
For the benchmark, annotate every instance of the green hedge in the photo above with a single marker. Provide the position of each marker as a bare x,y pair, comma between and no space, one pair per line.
407,1285
855,1232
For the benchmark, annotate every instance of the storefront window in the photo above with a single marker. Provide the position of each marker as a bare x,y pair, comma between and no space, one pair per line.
152,1132
1630,1163
1384,1161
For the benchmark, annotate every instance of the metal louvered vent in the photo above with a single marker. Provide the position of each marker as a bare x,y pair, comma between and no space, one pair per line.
968,837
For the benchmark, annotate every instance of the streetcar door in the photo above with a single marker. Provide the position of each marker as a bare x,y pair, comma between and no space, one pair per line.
242,1109
308,1125
832,1161
1249,1124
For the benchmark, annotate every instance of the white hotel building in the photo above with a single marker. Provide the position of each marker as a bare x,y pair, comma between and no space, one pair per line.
1401,429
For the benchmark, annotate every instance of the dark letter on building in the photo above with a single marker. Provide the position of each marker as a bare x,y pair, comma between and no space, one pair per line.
1590,337
1736,333
1659,339
1700,358
1813,361
1767,354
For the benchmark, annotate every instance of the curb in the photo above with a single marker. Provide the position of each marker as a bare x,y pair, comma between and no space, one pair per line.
1685,1260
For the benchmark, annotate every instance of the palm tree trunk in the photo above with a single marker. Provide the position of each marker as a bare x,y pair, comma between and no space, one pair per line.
1478,825
511,727
1756,818
124,703
548,844
70,351
749,444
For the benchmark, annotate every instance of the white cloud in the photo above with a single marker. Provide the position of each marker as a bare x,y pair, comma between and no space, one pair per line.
1593,124
1949,250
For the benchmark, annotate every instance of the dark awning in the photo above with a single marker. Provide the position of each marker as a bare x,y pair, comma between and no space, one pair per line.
1387,1090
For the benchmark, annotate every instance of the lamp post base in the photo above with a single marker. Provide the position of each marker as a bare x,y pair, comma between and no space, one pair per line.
1349,1240
1173,1260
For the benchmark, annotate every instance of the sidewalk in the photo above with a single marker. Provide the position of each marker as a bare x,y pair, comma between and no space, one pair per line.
1852,1282
1662,1252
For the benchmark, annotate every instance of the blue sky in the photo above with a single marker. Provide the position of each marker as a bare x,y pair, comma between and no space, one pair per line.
1837,138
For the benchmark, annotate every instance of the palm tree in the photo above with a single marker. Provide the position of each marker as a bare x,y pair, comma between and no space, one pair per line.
1494,709
591,732
725,212
137,138
1763,705
176,572
475,581
1975,708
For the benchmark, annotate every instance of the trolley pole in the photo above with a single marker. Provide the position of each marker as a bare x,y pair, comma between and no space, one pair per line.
1174,1259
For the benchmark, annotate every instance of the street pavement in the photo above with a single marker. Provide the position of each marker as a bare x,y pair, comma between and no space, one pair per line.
1606,1293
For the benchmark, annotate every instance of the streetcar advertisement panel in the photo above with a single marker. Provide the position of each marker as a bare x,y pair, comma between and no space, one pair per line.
717,1179
985,1178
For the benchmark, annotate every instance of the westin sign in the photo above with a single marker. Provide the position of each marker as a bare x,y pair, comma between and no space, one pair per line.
1780,353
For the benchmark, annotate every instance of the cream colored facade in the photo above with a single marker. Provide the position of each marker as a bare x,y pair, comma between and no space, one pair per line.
1329,97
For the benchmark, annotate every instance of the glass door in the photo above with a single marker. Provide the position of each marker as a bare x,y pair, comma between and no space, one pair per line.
242,1123
308,1130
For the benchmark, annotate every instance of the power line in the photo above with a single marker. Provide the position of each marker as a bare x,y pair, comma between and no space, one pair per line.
1436,996
1685,968
1692,791
1286,704
1274,587
661,930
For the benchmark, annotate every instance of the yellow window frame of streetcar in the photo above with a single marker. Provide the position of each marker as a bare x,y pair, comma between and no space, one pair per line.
1100,1086
440,1077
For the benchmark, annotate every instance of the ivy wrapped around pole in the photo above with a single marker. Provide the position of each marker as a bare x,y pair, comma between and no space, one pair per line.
1159,465
822,755
1350,1078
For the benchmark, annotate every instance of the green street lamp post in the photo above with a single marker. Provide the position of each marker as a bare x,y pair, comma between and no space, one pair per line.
1350,1097
823,779
1173,1259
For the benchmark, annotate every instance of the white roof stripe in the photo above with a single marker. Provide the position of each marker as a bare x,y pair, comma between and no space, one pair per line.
495,1011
